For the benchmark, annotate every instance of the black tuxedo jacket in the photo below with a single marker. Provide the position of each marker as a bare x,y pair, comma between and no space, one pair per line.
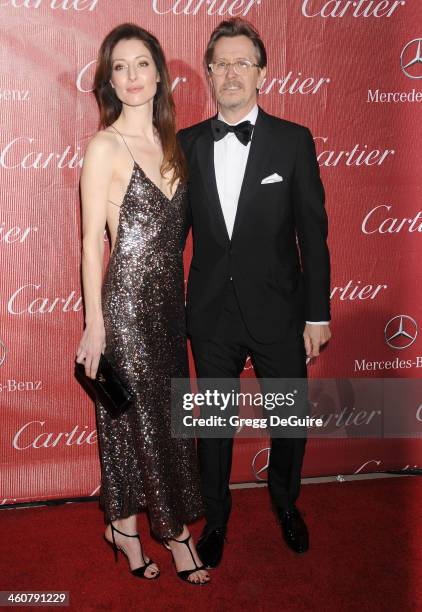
278,257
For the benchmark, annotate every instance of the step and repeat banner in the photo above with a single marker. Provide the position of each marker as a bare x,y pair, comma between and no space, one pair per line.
350,71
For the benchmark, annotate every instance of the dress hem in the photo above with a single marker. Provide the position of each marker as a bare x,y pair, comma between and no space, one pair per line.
187,519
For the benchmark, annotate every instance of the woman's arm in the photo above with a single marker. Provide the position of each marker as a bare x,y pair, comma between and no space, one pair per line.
95,184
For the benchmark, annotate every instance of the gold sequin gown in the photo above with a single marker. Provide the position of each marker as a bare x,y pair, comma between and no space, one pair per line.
143,467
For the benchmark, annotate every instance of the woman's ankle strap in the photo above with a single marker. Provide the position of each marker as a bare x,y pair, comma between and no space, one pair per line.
185,541
128,535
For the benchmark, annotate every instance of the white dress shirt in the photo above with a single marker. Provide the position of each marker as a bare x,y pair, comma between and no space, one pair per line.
230,159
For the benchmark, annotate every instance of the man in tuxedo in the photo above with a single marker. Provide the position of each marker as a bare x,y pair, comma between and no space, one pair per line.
259,278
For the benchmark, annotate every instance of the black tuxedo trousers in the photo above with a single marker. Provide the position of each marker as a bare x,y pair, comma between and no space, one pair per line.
224,356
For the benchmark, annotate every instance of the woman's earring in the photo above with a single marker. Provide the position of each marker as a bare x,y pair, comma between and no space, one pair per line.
111,84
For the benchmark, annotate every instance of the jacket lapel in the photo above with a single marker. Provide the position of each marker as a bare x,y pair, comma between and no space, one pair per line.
259,153
205,148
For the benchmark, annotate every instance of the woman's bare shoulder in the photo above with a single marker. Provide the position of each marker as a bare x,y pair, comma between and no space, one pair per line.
103,146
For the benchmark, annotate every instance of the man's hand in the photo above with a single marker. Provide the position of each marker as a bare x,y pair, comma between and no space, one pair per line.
315,336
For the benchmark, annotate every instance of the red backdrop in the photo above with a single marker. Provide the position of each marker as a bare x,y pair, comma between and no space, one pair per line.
349,70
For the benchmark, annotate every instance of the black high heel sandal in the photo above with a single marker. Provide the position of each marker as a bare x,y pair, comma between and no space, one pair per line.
139,572
185,574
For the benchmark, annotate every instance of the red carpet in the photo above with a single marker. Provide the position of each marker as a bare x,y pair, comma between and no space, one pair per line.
365,554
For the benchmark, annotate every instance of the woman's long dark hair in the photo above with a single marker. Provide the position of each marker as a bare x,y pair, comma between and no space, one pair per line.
164,119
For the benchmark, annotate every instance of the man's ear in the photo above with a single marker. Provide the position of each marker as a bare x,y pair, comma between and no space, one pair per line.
210,79
262,75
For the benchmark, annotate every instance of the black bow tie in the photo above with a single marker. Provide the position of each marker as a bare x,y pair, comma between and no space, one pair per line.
243,131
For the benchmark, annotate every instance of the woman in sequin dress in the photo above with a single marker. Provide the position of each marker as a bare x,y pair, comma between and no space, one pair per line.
134,181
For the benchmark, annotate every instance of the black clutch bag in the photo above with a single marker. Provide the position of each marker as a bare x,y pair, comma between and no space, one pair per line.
107,387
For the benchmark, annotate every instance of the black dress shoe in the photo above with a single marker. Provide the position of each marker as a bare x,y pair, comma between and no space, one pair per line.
294,529
210,546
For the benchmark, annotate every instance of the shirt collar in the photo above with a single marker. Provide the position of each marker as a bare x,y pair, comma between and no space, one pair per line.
251,116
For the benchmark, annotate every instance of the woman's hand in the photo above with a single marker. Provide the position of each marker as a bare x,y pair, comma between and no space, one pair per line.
91,346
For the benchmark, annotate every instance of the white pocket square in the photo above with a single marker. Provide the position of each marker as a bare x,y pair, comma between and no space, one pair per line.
273,178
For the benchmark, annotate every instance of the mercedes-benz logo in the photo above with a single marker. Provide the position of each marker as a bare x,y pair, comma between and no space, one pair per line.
260,462
2,353
411,59
401,332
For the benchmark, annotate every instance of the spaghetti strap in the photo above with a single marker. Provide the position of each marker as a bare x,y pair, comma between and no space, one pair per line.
126,145
111,202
